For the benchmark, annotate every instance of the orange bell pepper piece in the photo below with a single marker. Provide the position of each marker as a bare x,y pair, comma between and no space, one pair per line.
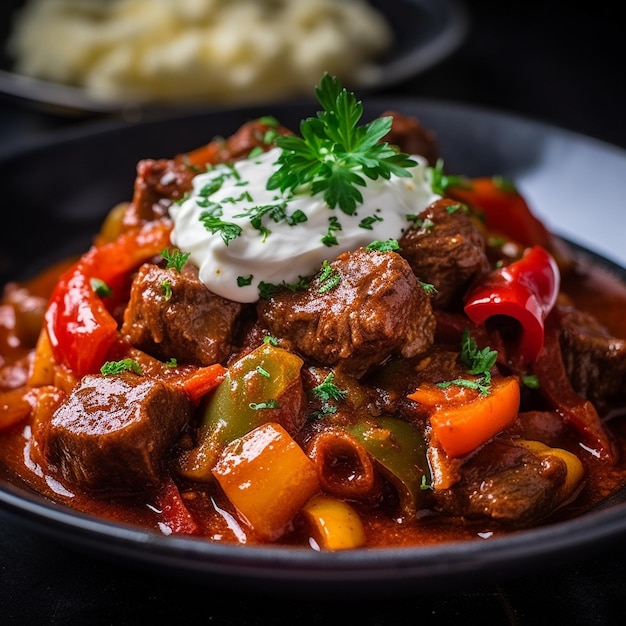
463,419
267,477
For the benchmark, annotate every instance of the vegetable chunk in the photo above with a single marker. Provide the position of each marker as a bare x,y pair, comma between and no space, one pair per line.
268,477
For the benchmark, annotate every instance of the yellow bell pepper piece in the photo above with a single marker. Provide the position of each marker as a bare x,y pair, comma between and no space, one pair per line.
334,524
575,469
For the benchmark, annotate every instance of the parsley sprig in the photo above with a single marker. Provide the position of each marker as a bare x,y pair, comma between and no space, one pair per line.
334,153
479,363
326,392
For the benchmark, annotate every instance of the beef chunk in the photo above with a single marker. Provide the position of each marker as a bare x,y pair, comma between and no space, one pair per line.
446,250
507,484
376,308
410,136
112,432
172,314
158,183
595,361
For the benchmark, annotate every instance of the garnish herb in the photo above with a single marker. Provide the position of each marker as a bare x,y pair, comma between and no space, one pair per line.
100,288
258,406
244,281
453,208
368,222
531,381
333,225
267,290
326,392
479,363
166,288
439,181
227,230
117,367
425,485
429,288
263,372
334,153
175,259
391,245
329,277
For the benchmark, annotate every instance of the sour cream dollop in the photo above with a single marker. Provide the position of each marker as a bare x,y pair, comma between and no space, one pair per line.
262,236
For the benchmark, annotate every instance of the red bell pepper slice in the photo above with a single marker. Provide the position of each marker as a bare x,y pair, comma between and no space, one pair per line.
556,388
80,327
526,291
505,211
175,516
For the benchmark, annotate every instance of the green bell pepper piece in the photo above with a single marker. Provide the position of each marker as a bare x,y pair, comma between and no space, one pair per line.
399,449
263,386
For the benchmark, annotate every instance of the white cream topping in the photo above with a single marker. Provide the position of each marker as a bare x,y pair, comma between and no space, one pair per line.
280,247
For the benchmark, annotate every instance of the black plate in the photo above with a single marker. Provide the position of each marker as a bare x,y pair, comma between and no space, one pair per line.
425,33
54,198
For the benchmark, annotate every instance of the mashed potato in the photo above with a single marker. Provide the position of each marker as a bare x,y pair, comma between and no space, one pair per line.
205,50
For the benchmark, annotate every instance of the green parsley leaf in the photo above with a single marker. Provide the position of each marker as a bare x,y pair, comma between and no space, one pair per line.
328,390
259,406
391,245
329,277
117,367
244,281
334,154
100,288
175,259
531,381
227,230
440,181
479,363
166,288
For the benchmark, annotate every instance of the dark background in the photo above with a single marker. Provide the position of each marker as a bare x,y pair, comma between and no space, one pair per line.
554,62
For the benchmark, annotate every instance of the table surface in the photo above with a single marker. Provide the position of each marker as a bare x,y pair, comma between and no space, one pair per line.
556,64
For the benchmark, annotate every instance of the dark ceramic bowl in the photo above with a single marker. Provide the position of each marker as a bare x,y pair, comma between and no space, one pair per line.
54,197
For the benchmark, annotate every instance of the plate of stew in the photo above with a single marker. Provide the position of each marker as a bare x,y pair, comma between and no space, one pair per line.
334,344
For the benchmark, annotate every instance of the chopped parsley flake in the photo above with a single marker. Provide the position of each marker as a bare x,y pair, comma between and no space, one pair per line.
117,367
100,288
175,259
390,245
227,230
329,277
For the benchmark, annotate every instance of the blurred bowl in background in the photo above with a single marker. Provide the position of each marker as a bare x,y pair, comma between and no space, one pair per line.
419,35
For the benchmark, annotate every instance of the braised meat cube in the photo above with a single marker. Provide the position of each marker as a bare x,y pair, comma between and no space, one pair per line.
506,483
173,315
365,306
158,183
595,360
408,133
445,249
113,433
